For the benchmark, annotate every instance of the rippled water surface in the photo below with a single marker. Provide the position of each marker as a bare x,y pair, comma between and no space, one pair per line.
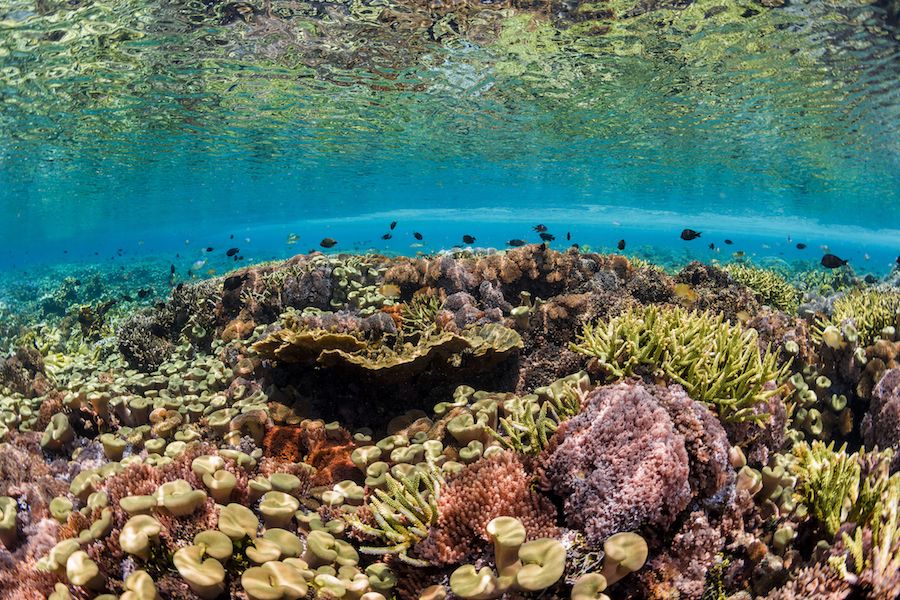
155,125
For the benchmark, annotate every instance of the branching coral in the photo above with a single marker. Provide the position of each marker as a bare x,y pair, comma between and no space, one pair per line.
716,362
770,287
871,311
404,512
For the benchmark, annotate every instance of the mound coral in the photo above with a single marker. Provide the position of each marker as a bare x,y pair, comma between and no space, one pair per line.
634,458
716,362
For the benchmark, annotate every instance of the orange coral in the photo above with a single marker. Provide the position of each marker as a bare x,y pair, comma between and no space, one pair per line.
309,442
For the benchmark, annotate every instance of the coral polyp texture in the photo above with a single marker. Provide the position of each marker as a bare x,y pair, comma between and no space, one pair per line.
525,424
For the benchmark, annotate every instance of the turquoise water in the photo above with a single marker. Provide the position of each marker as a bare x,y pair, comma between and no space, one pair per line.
154,129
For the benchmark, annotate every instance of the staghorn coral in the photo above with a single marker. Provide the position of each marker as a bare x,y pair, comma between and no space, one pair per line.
717,363
770,287
870,310
634,458
491,487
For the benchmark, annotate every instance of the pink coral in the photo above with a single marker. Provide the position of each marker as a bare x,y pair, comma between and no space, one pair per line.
634,458
492,487
881,425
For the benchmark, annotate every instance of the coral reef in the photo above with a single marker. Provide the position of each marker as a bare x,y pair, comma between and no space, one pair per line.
359,426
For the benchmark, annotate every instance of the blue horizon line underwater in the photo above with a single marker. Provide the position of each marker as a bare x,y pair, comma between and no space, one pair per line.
597,227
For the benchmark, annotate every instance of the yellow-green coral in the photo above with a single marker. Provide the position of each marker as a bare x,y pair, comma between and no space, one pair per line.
717,362
770,287
827,482
403,513
871,310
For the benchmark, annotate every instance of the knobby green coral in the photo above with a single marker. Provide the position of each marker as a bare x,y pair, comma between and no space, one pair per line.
403,513
532,420
770,287
871,310
717,362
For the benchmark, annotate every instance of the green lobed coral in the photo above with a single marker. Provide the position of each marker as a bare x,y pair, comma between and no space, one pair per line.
717,362
871,310
770,287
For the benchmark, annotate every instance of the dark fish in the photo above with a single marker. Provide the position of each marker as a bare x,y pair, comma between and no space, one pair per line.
77,282
689,234
328,243
898,260
728,242
417,235
386,236
568,236
232,251
516,243
231,88
830,261
870,279
143,293
65,251
172,269
712,246
231,237
236,258
621,245
393,224
801,246
547,237
127,298
540,228
209,248
468,239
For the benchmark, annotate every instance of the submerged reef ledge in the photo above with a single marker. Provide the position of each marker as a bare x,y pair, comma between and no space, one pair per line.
528,423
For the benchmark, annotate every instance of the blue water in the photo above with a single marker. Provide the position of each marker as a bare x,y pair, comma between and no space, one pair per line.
129,132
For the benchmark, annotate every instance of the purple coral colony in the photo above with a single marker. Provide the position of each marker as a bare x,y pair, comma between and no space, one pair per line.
475,425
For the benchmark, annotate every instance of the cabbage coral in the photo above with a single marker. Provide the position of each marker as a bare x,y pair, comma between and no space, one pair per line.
717,362
770,287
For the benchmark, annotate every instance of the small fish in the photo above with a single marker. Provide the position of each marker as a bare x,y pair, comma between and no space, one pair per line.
866,256
386,236
393,224
417,235
232,251
210,271
568,236
621,245
728,242
540,228
127,298
143,293
328,243
870,279
389,290
712,246
231,237
231,88
547,237
738,254
830,261
898,260
468,239
172,269
686,294
801,246
516,243
417,245
292,238
209,248
689,234
197,265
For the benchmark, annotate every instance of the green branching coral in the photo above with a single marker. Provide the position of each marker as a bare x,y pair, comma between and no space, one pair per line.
419,313
827,482
717,362
770,287
871,310
532,420
403,513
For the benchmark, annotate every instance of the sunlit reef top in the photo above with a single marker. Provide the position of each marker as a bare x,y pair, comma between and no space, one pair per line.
132,113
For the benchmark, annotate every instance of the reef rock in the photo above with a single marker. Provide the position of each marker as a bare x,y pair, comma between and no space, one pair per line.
881,425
